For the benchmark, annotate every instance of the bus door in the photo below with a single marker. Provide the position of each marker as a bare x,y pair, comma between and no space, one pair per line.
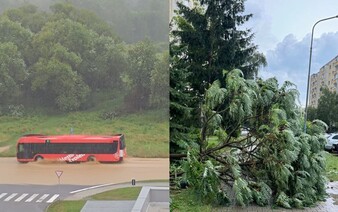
122,147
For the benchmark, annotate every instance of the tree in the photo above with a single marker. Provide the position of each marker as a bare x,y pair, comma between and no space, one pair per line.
312,113
159,97
213,41
85,17
141,57
11,31
207,39
327,108
55,83
274,160
29,17
182,129
12,72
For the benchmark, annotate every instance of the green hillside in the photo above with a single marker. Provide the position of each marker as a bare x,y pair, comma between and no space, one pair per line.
146,133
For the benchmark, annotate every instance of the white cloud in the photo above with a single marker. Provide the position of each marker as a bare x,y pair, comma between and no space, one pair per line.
289,60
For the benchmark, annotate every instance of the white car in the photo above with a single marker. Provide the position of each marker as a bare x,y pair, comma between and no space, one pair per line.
332,139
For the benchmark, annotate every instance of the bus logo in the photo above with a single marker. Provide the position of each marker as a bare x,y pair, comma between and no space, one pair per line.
71,157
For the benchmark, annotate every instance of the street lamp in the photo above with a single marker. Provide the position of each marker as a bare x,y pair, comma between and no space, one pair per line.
308,76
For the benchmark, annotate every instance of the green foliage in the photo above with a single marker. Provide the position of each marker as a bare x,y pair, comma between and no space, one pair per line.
12,72
203,178
58,83
275,160
29,17
205,40
212,40
142,59
283,200
261,193
327,105
159,82
243,193
60,57
182,123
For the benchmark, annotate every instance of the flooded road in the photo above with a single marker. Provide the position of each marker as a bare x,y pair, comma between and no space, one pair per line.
88,173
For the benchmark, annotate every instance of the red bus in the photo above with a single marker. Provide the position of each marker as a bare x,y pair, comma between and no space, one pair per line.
71,148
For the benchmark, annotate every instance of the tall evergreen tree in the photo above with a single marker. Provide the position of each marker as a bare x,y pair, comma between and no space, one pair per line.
213,40
208,38
181,127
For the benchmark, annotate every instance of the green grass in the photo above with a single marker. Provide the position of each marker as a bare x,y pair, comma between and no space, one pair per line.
185,200
130,193
147,133
331,166
66,206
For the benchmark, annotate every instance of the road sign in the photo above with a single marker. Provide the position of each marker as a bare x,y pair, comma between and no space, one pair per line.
58,173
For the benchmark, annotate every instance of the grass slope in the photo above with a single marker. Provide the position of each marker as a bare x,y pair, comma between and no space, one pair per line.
147,133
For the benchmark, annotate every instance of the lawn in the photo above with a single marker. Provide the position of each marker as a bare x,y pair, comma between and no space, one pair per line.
331,166
185,200
67,206
130,193
147,133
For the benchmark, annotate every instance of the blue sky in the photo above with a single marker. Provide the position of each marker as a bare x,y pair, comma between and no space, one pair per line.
283,30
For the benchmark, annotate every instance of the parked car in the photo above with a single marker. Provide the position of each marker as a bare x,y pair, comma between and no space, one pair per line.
332,142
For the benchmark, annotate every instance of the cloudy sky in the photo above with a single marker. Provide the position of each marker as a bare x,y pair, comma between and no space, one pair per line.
283,31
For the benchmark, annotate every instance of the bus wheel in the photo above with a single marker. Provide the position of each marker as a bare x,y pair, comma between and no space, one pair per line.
91,158
39,158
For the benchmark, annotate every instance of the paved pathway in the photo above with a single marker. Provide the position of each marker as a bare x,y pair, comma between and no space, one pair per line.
82,194
108,206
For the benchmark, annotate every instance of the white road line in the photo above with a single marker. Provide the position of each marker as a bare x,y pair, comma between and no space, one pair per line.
42,198
31,198
20,198
10,197
2,195
98,186
53,198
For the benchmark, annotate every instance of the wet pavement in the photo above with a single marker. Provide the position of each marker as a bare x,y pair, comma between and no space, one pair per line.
330,205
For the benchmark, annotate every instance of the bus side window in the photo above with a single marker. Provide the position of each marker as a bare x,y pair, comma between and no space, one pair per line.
21,148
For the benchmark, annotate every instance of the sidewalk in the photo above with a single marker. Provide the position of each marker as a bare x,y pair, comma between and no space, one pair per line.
86,193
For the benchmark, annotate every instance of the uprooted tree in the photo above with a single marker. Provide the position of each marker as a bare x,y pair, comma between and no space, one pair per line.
274,162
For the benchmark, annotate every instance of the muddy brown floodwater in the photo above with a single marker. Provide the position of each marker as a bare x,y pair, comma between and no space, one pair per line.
88,173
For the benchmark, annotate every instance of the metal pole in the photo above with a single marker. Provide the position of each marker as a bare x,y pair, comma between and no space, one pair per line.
308,76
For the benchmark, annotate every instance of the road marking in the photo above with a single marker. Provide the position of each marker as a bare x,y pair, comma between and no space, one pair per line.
20,198
10,197
2,195
31,198
98,186
53,198
42,198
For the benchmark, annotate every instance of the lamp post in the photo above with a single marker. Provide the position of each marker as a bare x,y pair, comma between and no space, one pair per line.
308,76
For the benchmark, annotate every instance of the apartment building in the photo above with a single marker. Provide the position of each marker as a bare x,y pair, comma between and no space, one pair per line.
326,77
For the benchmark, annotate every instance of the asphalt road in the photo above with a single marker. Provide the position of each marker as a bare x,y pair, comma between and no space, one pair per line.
32,198
88,173
31,187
